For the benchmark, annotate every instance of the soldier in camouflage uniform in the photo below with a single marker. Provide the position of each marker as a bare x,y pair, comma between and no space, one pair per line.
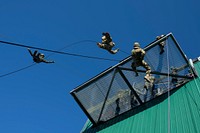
149,86
38,57
161,44
138,60
107,43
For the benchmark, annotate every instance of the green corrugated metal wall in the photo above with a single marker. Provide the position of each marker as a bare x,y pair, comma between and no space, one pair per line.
153,116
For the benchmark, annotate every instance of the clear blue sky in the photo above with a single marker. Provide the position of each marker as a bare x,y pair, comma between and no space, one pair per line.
37,99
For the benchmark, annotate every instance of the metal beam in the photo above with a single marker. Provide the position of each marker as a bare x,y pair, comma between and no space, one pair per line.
83,108
158,73
129,85
114,73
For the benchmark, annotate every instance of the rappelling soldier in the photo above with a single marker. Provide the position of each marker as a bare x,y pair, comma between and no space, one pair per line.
149,86
161,44
39,57
107,43
138,60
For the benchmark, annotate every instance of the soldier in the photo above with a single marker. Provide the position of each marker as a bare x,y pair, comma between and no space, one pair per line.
161,44
117,109
138,60
149,86
107,43
38,57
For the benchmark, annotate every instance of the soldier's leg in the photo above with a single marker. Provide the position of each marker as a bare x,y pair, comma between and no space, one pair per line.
133,65
148,70
109,47
30,52
113,51
149,85
99,44
111,44
105,46
147,67
34,54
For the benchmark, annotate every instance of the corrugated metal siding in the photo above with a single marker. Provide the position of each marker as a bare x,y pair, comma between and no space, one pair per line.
153,117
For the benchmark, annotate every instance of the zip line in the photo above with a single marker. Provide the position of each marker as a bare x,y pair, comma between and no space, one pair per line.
58,52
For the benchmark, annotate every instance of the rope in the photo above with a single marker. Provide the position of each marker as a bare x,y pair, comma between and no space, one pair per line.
59,52
17,70
124,52
72,44
168,67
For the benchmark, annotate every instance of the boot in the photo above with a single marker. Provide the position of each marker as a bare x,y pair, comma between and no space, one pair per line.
147,77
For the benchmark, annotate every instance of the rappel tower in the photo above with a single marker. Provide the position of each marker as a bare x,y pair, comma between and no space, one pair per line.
118,101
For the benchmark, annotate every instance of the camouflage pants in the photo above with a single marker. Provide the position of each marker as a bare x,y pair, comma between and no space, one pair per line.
143,64
106,46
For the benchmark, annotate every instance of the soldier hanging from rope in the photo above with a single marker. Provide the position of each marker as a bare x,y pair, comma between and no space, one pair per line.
150,87
107,43
161,44
138,60
39,57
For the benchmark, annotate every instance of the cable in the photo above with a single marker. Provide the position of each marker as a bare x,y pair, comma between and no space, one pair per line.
17,70
72,44
59,52
168,86
69,45
124,52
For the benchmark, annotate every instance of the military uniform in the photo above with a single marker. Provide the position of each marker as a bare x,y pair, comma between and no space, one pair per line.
138,60
107,43
149,85
161,44
38,57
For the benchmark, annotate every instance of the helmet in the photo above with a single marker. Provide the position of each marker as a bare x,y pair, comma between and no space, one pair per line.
42,55
158,37
162,35
136,45
106,34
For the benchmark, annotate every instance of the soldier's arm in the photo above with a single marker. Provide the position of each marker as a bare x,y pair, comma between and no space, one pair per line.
45,61
133,52
143,52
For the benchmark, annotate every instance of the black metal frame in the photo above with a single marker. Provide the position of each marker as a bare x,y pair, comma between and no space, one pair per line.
158,73
129,85
106,97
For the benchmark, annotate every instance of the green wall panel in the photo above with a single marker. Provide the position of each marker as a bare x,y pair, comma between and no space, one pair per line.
153,117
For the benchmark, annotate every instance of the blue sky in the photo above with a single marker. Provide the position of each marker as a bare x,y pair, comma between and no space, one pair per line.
37,99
